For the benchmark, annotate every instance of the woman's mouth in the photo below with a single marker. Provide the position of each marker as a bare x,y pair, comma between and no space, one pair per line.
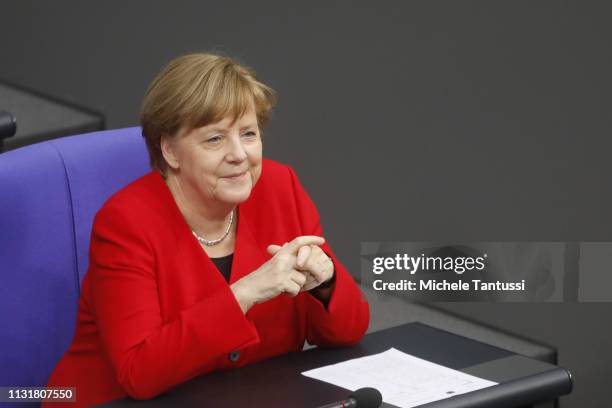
235,176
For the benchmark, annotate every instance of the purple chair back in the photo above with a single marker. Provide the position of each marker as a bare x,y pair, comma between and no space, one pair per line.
49,194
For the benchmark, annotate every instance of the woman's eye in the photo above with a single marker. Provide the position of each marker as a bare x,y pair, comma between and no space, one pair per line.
250,134
213,140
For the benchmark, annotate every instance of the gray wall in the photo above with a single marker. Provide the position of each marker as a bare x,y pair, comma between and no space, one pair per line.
406,121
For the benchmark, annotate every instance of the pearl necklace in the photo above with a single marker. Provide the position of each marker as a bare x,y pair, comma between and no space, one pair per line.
215,241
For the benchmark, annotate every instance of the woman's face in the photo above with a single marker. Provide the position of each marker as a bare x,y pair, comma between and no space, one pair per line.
217,163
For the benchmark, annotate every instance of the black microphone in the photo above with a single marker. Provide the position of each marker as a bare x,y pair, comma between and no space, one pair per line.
362,398
8,125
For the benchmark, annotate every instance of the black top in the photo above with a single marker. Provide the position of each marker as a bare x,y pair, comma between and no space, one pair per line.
224,265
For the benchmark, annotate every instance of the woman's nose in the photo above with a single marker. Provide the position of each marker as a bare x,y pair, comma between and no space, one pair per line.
236,151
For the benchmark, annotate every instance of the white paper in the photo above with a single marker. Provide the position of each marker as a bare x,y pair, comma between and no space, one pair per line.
402,379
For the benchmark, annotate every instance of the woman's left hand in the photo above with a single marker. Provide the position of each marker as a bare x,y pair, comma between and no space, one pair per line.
315,263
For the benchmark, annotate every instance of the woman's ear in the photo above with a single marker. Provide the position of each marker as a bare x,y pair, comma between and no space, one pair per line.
168,149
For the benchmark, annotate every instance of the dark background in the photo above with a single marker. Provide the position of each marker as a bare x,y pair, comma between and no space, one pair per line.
406,121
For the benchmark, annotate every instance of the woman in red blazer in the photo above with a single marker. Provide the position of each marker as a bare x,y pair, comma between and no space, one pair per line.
212,261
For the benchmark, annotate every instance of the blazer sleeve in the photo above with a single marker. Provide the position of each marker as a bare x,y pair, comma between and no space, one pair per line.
346,318
148,355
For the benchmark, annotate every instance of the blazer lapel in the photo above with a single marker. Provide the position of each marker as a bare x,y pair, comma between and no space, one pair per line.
248,254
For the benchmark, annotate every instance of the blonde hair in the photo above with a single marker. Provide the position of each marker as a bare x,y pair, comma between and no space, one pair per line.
196,90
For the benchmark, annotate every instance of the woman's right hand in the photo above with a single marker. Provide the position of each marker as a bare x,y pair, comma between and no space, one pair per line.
276,276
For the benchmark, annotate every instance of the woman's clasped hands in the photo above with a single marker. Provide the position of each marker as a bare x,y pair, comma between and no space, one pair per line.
299,265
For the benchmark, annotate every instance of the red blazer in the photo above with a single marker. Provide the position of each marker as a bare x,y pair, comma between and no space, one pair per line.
154,311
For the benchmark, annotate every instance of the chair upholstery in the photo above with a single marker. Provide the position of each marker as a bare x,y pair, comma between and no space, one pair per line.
49,194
